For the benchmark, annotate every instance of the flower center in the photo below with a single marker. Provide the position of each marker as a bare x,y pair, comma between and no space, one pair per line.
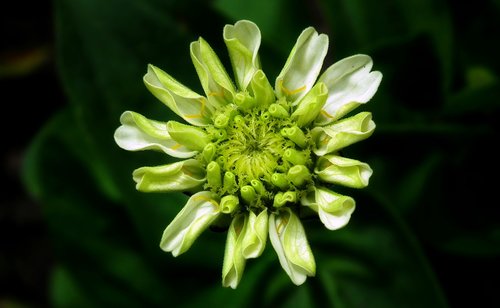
258,155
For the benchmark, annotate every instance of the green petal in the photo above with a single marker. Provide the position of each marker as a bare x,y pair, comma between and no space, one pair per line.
310,106
189,105
334,210
180,176
138,133
262,89
243,42
302,66
213,77
197,215
350,84
342,133
234,262
189,136
254,241
290,243
344,171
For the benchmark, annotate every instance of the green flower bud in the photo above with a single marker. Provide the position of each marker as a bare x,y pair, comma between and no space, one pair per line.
310,106
280,180
248,194
298,175
230,182
296,135
262,89
229,203
209,152
214,177
282,198
295,157
258,186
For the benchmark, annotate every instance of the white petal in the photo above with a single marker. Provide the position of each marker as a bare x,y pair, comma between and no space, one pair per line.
243,41
199,212
289,240
138,133
350,83
189,105
302,66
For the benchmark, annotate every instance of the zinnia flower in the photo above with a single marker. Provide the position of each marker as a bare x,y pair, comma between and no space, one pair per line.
254,154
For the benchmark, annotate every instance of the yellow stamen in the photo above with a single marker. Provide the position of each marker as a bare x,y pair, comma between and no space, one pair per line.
198,115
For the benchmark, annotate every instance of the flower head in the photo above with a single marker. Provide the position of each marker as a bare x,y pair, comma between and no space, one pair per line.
253,154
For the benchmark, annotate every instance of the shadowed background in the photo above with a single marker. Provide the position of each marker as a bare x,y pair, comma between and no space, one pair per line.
75,233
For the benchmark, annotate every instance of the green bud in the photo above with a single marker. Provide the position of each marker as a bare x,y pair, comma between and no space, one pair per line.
258,186
281,198
230,182
191,137
278,111
221,121
229,203
248,194
244,101
209,152
298,175
295,157
296,135
280,180
214,177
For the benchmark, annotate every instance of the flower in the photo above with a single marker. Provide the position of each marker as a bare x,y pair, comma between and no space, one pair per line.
253,154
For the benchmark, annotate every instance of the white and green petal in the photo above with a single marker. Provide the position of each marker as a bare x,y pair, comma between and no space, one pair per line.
192,107
213,76
189,136
243,41
138,133
310,105
187,175
197,215
254,241
342,133
302,66
344,171
350,84
334,210
234,261
289,240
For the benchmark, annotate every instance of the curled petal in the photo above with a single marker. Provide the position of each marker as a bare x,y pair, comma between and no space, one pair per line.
180,176
243,41
254,241
213,77
234,261
199,212
139,133
310,106
334,210
343,133
191,137
290,243
189,105
302,66
344,171
262,89
350,84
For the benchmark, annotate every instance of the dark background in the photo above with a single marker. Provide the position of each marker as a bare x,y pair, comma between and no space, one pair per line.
73,231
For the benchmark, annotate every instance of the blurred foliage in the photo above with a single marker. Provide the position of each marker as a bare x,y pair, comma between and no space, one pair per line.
425,231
